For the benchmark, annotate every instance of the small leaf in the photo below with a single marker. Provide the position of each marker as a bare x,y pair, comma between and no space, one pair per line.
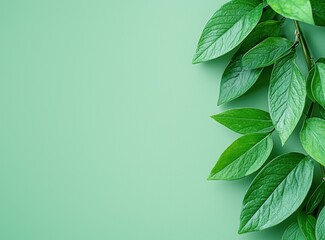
243,157
246,120
307,224
266,53
293,232
276,192
300,10
312,137
320,226
316,198
318,84
236,80
287,94
227,28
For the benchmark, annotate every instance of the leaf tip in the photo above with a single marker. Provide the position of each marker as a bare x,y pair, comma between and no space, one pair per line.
210,177
196,59
241,230
220,102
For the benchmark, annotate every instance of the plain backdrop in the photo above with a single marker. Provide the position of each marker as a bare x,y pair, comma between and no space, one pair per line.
104,126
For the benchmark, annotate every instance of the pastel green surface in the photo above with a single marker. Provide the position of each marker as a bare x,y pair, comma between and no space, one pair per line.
105,127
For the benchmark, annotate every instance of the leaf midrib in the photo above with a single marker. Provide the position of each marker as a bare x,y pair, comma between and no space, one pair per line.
272,193
248,151
213,42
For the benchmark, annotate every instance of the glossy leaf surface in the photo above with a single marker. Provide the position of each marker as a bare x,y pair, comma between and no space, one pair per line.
318,84
312,137
243,157
287,94
266,53
246,120
293,232
227,28
276,192
300,10
307,224
236,80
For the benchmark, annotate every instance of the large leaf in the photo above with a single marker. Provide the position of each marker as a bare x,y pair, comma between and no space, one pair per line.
312,137
266,53
243,157
320,226
295,9
246,120
307,224
236,80
316,198
318,84
287,94
293,232
276,192
227,28
309,11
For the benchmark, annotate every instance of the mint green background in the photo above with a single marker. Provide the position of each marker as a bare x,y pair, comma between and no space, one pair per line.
105,128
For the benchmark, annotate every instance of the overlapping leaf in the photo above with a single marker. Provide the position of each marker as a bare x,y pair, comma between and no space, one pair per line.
246,120
268,14
276,192
318,84
316,198
266,53
320,226
293,232
307,224
236,80
227,28
287,94
309,11
296,9
245,156
312,137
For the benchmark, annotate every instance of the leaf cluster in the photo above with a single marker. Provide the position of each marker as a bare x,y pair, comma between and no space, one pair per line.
282,185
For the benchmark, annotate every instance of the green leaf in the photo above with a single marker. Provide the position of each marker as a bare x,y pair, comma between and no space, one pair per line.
309,11
318,8
246,120
293,232
300,10
318,84
243,157
307,224
266,53
322,112
287,94
309,81
320,226
236,80
227,28
312,137
268,14
276,192
316,198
